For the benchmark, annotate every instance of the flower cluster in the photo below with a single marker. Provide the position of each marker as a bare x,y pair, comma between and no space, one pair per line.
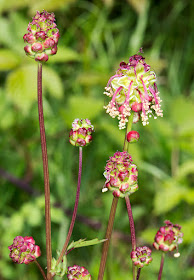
81,132
42,37
78,272
133,89
141,256
168,237
121,175
24,250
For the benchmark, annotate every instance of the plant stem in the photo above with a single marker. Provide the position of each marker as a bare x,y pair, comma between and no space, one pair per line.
161,266
131,222
138,273
46,173
108,236
129,126
41,270
75,208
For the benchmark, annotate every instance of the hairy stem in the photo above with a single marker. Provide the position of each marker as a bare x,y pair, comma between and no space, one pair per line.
41,270
161,266
108,236
138,273
46,173
75,208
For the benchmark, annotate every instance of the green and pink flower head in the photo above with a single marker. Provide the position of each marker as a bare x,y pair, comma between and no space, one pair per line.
168,237
141,256
42,37
78,273
133,89
121,175
24,250
81,132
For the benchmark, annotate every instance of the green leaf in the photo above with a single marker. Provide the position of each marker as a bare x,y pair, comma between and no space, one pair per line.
8,60
52,82
168,197
84,243
82,107
59,269
64,55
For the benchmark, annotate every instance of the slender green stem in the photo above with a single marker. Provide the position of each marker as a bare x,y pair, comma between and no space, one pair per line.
138,273
108,236
46,173
75,208
41,270
161,266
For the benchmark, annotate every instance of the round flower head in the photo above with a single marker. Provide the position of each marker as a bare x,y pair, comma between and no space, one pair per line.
141,256
121,175
42,37
168,237
81,133
24,250
133,89
78,272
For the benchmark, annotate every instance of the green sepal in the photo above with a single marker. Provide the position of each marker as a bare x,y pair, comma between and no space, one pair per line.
60,269
84,243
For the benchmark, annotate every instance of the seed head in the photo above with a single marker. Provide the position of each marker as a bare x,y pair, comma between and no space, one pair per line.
141,256
133,88
42,37
121,175
77,272
24,250
81,133
168,237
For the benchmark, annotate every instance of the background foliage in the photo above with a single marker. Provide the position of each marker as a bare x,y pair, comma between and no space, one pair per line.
95,37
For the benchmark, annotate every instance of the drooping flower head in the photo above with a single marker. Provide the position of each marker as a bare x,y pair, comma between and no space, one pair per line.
141,256
78,272
24,250
42,37
121,175
133,89
168,237
81,133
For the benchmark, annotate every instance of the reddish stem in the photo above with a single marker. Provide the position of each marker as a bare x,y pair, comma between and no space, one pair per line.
75,208
46,173
161,266
108,236
41,270
138,273
131,222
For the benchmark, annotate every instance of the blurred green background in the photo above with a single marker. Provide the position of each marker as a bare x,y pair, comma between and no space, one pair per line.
95,37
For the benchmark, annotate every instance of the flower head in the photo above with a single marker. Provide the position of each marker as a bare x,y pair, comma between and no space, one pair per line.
121,175
81,133
24,250
78,272
133,88
168,237
42,37
141,256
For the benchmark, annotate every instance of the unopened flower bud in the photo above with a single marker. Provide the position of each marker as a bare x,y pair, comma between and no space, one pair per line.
121,175
42,37
78,273
24,250
132,136
168,237
141,256
81,133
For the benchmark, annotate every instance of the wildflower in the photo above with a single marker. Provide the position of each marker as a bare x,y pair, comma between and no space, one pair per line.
24,250
141,256
168,237
78,272
132,136
81,132
42,37
133,89
121,175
